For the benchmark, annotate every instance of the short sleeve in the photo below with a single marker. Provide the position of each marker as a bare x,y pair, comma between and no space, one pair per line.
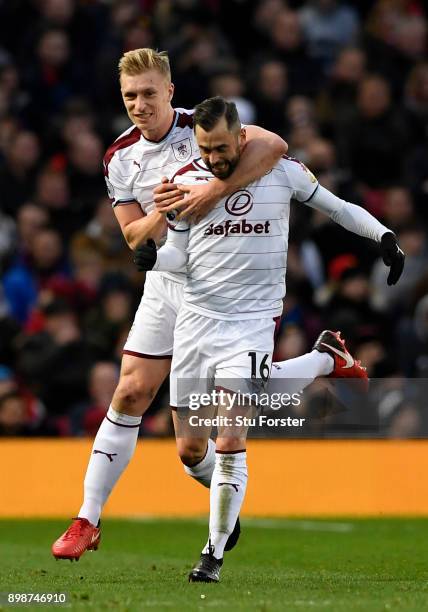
117,190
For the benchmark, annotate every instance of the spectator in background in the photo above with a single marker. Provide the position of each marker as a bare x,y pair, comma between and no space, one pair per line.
321,156
18,173
81,21
7,239
34,409
336,101
374,159
416,104
394,40
13,418
9,332
264,18
413,239
52,193
288,46
8,383
270,95
413,341
197,57
8,129
15,99
416,177
349,308
302,125
24,279
328,26
77,117
30,219
87,416
398,209
106,95
231,86
55,362
51,78
84,160
104,323
290,343
103,235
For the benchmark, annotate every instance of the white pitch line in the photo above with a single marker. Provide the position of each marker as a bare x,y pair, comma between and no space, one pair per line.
264,523
299,524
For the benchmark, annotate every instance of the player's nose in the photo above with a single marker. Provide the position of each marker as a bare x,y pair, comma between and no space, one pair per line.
139,105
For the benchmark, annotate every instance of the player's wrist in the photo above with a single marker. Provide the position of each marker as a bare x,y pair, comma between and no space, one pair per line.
218,189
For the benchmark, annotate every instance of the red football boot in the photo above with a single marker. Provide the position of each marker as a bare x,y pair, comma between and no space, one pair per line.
345,366
79,537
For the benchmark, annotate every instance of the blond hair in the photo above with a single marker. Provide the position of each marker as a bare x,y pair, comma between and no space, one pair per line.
140,60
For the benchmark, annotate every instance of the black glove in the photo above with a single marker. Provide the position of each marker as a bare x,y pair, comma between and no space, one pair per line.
392,256
145,256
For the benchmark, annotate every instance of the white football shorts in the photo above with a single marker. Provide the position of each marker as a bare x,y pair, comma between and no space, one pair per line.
211,353
152,332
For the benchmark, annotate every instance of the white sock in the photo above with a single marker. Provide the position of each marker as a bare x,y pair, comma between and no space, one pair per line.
299,372
227,493
113,447
203,471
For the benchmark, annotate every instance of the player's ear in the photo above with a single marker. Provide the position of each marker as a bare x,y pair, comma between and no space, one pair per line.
171,91
242,137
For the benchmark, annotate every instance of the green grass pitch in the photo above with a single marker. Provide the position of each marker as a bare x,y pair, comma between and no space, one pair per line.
287,565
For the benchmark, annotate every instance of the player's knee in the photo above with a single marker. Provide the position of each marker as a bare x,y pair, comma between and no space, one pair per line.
133,395
191,453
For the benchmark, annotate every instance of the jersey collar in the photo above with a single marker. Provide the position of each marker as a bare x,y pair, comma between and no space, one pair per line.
172,126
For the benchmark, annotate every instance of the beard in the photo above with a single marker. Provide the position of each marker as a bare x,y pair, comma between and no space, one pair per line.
223,169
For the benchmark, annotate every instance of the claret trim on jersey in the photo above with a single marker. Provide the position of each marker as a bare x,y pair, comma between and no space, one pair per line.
196,164
121,143
185,120
185,169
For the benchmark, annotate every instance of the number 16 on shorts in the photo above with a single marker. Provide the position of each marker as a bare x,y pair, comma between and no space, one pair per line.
260,365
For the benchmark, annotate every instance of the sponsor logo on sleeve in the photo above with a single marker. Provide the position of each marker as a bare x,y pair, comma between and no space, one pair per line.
311,176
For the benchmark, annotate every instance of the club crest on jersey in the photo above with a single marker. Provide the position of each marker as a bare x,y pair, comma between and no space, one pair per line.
182,149
239,203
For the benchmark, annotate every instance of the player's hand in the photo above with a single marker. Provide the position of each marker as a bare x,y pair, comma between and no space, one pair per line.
166,195
197,200
392,256
145,256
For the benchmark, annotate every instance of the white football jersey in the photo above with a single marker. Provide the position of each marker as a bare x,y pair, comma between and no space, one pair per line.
237,254
134,166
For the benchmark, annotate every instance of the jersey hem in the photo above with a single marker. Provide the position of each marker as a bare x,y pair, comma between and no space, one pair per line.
145,355
225,316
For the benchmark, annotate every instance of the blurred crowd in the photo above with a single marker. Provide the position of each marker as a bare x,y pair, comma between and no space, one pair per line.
346,84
